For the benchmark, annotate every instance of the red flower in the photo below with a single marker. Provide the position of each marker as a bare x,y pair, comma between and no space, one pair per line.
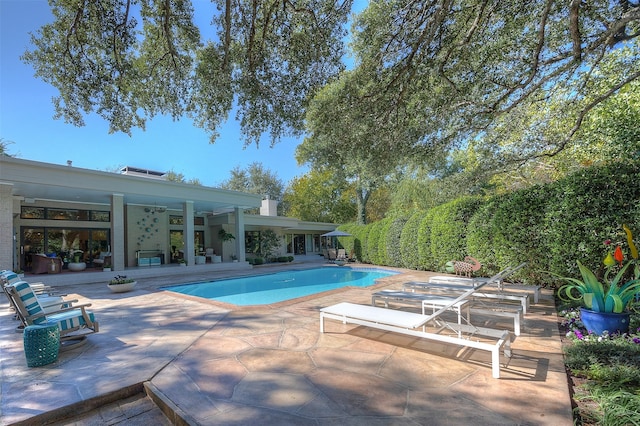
618,255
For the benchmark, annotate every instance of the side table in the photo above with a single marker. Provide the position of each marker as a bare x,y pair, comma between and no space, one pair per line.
41,344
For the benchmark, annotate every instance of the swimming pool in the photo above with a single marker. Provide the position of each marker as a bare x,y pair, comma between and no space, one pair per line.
280,286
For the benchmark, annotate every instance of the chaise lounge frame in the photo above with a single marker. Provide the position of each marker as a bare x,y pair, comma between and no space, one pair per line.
409,323
74,322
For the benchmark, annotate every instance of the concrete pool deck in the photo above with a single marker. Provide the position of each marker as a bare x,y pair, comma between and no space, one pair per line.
209,363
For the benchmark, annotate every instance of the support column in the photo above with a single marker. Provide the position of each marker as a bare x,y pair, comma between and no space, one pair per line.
188,228
7,244
118,245
240,248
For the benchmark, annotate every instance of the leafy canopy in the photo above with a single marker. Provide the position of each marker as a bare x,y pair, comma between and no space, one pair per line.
129,60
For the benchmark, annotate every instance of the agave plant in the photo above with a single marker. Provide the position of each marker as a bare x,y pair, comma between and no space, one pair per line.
610,296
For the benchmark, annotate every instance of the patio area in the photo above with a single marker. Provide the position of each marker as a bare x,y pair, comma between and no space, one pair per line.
203,362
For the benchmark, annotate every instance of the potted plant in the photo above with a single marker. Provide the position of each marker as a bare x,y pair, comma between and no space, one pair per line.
182,262
120,284
605,304
106,267
234,258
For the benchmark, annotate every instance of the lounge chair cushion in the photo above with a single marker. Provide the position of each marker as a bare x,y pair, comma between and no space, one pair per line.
70,319
30,301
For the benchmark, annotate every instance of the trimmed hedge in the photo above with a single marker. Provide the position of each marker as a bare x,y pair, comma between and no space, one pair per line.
548,226
408,243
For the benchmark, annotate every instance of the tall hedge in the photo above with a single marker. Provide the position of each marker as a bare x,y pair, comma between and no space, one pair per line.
449,230
425,260
585,209
392,241
517,231
409,241
547,226
480,238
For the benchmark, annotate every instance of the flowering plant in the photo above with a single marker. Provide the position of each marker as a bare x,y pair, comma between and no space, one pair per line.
120,279
577,332
613,294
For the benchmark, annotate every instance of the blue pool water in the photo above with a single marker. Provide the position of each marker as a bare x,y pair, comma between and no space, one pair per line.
280,286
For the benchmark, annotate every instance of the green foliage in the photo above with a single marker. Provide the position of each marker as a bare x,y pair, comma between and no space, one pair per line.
409,241
392,241
536,225
320,197
269,243
354,243
449,230
613,295
129,61
605,360
585,209
611,366
373,254
469,73
225,236
255,179
481,239
506,231
425,257
4,147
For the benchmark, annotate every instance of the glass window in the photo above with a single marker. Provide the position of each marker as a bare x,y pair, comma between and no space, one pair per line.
100,216
252,241
175,220
68,214
62,241
198,221
198,238
32,213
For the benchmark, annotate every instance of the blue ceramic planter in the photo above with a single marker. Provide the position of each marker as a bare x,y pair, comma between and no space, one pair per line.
598,322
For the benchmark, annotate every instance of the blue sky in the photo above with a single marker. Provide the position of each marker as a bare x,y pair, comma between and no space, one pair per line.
26,121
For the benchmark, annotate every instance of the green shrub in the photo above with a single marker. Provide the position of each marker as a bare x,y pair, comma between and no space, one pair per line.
425,259
585,209
289,258
258,261
449,230
383,247
392,241
481,239
517,232
409,241
373,242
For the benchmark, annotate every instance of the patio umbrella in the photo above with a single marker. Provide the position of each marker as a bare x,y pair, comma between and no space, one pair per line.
336,233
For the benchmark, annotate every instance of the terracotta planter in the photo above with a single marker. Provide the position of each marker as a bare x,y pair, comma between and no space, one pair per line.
121,288
599,322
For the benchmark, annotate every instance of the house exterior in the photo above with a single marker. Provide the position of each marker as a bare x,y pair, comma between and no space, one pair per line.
134,216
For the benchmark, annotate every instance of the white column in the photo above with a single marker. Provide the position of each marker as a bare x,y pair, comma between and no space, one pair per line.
118,242
6,227
240,249
188,228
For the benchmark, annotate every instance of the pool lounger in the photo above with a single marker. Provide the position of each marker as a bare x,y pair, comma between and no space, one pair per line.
448,279
523,299
424,300
409,323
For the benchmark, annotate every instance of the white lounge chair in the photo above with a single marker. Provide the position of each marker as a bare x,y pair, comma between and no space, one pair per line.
474,307
457,284
410,323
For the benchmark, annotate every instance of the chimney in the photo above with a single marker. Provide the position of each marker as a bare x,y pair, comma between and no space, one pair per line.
69,162
269,208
